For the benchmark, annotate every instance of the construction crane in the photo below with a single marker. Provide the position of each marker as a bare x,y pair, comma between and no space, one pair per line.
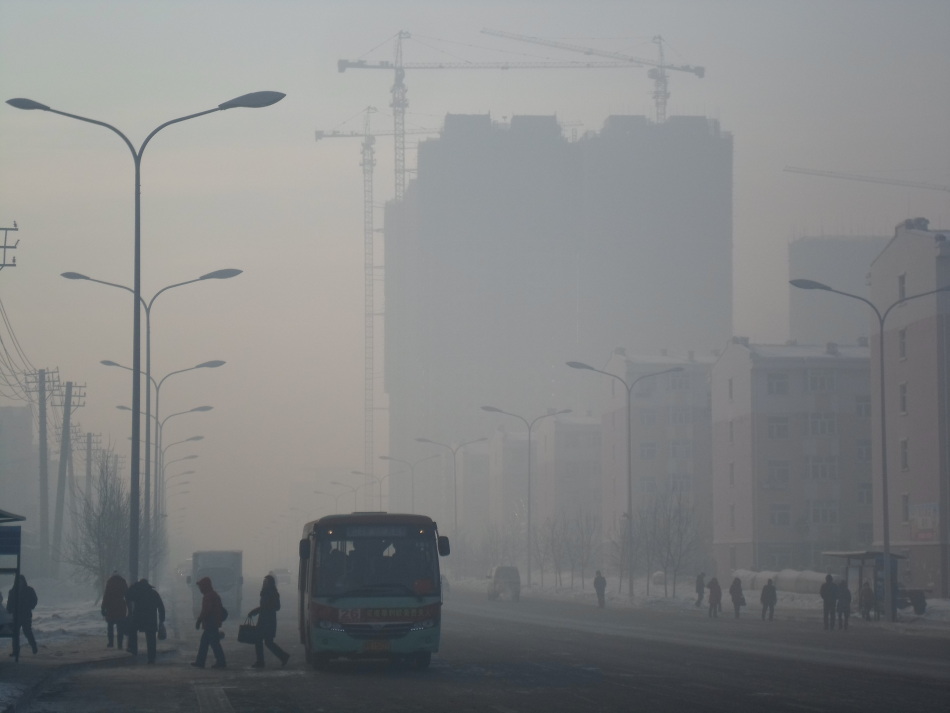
399,101
368,162
658,73
869,179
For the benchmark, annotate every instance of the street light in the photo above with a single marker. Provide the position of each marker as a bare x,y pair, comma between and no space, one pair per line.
629,387
378,479
344,485
885,520
455,490
412,475
530,425
252,101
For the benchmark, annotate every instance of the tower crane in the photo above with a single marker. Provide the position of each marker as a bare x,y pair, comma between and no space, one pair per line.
658,71
400,102
367,162
868,179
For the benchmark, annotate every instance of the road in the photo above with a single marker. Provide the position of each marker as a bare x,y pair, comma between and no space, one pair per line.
541,655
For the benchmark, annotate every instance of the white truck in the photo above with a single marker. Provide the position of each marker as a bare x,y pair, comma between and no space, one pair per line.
227,578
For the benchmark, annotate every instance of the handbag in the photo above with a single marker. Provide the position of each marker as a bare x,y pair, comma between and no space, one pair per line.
248,633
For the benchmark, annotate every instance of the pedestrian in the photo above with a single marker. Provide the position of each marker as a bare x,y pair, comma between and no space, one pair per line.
829,595
866,600
844,605
146,614
114,609
21,601
715,597
209,621
700,588
769,598
267,623
600,586
738,598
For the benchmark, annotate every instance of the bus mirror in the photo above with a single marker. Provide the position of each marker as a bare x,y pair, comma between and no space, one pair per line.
304,549
444,548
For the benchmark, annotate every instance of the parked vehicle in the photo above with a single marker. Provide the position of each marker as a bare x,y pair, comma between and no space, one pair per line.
504,581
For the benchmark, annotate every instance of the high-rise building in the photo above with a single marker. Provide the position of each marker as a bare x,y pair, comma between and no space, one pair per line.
516,250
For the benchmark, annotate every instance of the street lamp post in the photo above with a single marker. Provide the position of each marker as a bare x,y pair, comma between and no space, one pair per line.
455,490
252,101
160,467
344,485
885,503
379,481
529,425
629,387
412,475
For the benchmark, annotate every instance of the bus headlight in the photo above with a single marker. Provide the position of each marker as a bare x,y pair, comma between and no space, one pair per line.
420,625
329,625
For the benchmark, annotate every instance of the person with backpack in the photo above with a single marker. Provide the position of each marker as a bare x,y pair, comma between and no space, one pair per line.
209,621
21,601
146,614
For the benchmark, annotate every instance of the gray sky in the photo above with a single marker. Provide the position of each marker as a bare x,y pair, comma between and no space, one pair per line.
857,86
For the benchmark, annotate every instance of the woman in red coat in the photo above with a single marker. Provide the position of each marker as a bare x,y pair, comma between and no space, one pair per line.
114,609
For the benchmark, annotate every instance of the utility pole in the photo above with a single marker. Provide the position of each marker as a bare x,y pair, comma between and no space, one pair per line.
65,456
6,247
38,382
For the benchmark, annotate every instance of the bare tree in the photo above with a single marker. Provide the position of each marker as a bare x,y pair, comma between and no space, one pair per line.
681,536
100,540
586,527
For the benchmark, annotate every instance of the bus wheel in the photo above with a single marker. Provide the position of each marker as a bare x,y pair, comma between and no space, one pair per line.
423,660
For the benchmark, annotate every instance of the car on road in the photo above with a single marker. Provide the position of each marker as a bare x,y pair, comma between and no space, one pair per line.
504,581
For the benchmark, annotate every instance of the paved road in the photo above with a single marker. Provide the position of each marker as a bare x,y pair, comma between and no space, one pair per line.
538,655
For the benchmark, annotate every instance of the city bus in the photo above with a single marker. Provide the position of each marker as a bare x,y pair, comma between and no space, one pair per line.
369,587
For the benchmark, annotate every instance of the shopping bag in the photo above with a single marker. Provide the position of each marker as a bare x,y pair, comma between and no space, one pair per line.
248,633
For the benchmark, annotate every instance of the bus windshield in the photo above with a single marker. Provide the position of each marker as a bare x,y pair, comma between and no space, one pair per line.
366,560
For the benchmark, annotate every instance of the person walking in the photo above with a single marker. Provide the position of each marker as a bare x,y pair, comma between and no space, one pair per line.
844,605
114,609
715,597
146,614
866,600
700,588
21,601
769,598
209,621
267,623
600,586
829,595
735,592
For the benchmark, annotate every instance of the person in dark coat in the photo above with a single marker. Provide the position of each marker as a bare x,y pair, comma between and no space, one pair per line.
866,600
700,588
21,601
715,597
600,586
114,609
146,614
829,596
769,598
735,592
267,623
209,621
844,605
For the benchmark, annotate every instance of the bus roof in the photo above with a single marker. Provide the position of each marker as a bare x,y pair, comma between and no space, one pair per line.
366,518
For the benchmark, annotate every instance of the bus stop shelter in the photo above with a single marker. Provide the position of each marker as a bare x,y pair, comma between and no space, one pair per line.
10,555
868,565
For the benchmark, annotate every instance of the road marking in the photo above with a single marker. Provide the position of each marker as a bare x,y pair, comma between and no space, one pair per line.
213,699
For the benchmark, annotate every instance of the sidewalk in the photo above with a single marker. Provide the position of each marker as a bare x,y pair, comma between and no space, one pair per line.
20,681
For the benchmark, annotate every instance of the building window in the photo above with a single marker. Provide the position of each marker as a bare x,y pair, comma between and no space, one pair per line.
732,474
824,512
863,450
648,417
646,388
680,415
732,517
865,533
902,343
822,467
778,427
780,515
821,424
905,507
777,383
862,406
901,286
732,432
730,389
778,474
905,454
865,494
681,482
681,448
819,380
902,397
679,381
648,484
648,451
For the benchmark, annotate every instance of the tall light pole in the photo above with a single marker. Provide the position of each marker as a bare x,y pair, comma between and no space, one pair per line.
885,502
252,101
412,475
529,425
455,490
379,481
351,487
629,387
157,385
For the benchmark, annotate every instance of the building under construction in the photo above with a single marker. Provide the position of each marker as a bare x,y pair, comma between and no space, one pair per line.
516,249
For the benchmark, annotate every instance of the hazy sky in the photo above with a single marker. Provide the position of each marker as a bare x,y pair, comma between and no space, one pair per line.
858,86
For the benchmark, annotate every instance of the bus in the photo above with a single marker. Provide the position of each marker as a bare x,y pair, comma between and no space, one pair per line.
369,587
